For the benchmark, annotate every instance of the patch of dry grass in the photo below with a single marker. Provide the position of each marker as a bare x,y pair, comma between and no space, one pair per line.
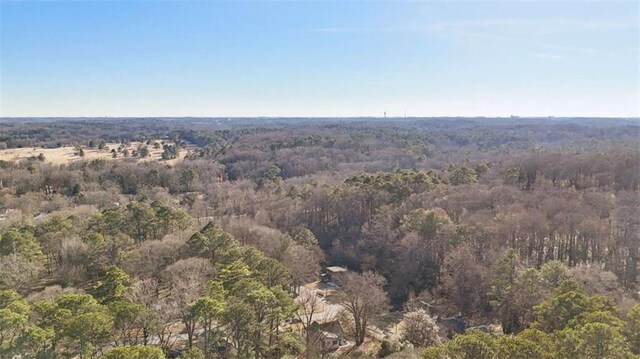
64,155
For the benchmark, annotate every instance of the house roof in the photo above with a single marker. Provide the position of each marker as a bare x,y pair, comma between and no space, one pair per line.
329,335
333,327
336,269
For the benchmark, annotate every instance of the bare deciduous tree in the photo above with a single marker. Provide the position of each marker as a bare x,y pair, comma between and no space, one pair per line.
18,273
363,298
187,279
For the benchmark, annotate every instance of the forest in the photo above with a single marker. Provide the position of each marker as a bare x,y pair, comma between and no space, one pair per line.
248,238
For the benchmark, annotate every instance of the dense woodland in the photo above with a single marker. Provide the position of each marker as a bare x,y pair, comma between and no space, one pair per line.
530,226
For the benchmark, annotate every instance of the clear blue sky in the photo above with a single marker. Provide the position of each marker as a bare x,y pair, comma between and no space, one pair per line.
451,58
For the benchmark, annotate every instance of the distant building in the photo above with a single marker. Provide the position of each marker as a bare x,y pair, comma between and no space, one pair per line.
331,273
327,336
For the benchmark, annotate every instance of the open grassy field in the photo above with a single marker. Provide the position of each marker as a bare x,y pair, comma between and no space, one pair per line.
67,154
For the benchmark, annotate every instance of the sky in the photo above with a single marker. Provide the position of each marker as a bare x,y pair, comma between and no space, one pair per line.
329,58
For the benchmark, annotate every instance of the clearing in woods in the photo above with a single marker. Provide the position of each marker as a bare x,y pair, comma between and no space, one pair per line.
67,154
